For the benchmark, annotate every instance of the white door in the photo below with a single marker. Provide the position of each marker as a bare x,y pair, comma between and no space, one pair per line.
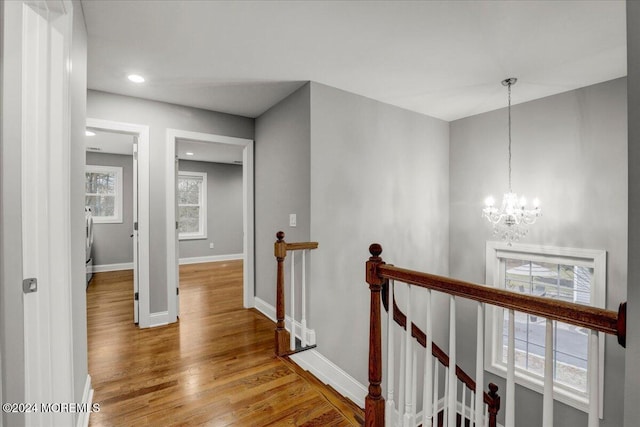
135,235
45,206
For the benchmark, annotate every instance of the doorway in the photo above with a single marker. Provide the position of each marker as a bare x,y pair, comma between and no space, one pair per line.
108,147
244,149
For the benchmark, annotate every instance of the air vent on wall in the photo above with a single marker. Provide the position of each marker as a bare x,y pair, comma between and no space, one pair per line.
94,149
237,162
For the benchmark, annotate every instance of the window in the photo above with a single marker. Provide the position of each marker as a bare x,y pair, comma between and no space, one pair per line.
192,205
574,275
103,193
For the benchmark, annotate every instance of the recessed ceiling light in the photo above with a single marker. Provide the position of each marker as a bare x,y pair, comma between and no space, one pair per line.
189,153
89,133
135,78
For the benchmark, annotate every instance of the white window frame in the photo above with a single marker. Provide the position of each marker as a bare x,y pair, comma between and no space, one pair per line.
596,259
117,170
202,234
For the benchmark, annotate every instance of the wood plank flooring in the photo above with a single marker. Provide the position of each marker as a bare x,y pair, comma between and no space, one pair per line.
215,367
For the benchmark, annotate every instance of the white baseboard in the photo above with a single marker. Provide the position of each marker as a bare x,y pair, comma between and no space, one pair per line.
112,267
212,258
87,400
160,318
270,311
329,373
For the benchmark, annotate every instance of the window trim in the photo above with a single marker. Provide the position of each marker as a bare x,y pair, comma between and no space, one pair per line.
202,234
117,218
592,258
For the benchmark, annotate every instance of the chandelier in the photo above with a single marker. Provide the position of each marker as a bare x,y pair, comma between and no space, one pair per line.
510,222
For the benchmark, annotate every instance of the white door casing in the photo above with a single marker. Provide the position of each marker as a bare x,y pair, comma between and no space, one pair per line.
248,214
141,212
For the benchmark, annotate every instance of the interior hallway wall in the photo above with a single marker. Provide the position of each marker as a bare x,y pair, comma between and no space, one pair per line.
224,210
379,173
281,183
160,116
570,150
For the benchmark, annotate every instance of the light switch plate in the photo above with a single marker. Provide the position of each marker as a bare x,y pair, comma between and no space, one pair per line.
292,220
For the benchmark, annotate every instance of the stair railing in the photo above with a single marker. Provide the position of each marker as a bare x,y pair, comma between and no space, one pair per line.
285,338
381,278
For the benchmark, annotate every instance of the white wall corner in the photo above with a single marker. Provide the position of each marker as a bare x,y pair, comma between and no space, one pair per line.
87,400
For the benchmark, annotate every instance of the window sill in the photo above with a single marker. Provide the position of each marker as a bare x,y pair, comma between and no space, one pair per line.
561,393
98,220
192,237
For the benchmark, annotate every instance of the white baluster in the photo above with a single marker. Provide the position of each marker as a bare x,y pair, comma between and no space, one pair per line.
464,402
509,419
472,413
408,353
486,415
427,393
414,384
453,379
293,303
390,410
401,389
547,403
303,309
445,399
479,392
436,390
594,376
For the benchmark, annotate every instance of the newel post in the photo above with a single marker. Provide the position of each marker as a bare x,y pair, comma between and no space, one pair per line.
494,406
374,402
282,335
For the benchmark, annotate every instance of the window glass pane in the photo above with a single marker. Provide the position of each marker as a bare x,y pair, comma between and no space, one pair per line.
100,183
571,371
189,191
188,219
102,205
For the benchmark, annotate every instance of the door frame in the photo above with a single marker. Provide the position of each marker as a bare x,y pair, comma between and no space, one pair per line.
142,134
173,279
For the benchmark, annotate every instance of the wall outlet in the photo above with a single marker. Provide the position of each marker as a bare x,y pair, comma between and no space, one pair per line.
210,245
292,220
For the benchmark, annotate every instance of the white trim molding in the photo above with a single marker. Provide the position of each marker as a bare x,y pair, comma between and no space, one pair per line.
247,217
211,258
330,373
160,318
142,132
112,267
87,400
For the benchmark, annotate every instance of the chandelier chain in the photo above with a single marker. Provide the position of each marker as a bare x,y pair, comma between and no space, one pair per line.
509,89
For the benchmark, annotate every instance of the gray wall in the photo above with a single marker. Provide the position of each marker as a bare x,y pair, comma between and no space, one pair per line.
281,182
224,210
159,116
112,243
632,373
378,174
570,150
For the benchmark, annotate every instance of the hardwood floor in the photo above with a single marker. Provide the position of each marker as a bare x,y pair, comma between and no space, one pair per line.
215,367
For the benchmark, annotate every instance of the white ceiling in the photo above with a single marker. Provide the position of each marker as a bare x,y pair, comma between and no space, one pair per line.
441,58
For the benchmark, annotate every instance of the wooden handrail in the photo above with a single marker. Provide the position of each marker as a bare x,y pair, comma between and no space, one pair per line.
280,249
598,319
